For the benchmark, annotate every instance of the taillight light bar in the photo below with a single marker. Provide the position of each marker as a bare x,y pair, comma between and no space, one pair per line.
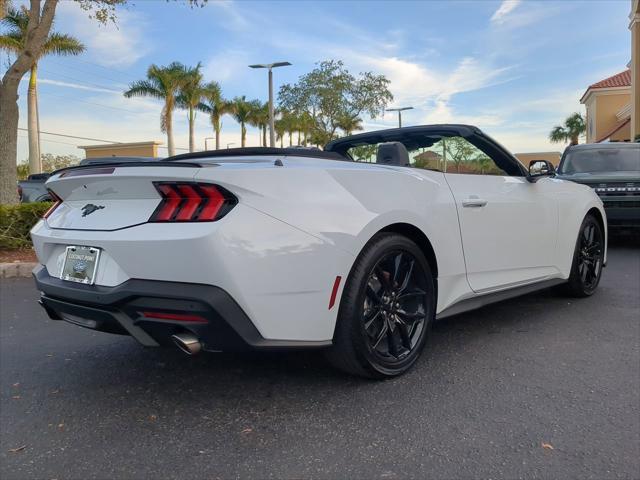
192,202
56,203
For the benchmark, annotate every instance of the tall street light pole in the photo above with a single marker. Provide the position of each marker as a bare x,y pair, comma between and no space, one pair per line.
271,66
399,110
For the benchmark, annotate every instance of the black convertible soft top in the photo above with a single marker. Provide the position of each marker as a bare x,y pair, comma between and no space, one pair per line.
259,151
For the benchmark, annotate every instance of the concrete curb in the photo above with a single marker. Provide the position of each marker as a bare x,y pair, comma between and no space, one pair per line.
16,269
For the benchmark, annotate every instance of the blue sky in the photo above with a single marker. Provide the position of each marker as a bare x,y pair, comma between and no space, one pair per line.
514,68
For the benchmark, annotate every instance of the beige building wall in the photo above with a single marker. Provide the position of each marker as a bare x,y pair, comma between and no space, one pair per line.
137,149
607,105
634,26
525,158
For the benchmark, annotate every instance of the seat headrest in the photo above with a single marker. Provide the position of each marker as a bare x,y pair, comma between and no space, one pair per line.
393,153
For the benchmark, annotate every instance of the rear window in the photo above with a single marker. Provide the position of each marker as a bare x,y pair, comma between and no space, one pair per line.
601,160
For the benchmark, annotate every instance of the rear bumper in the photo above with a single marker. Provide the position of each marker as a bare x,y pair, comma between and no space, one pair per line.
119,309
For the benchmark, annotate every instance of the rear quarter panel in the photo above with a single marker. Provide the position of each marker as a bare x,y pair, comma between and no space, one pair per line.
345,204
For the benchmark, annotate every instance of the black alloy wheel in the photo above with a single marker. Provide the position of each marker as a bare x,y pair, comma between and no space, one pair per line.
588,259
386,309
394,308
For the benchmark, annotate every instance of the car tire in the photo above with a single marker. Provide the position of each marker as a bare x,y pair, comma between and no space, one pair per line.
588,259
386,311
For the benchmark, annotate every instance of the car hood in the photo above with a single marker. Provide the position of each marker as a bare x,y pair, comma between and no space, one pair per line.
602,177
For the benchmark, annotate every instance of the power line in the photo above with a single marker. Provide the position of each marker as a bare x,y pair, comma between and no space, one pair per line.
73,99
86,138
46,140
101,75
71,136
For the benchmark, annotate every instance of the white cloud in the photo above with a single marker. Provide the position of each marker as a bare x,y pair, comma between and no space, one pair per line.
114,44
506,7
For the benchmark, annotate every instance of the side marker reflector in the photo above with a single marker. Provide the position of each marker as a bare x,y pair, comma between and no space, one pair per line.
334,292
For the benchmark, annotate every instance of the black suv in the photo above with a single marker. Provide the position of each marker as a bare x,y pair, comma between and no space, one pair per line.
613,170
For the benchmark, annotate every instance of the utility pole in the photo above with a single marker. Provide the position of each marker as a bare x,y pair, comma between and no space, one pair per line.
271,66
399,110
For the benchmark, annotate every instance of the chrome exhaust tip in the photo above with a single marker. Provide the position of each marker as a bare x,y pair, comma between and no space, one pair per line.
187,342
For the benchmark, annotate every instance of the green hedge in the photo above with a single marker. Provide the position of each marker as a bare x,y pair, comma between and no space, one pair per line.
16,221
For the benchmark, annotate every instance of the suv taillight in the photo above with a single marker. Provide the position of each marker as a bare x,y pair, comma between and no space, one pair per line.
192,202
56,203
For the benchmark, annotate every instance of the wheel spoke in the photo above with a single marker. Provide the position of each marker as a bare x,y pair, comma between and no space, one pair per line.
407,277
591,233
391,343
405,335
414,293
583,270
371,319
381,335
383,277
373,295
413,317
397,263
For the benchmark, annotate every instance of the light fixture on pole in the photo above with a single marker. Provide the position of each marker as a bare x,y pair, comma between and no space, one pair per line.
205,142
270,66
399,110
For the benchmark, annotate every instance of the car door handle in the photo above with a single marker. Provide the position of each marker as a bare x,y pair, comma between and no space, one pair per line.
474,202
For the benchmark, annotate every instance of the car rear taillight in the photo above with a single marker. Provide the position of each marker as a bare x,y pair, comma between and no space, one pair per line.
56,203
192,202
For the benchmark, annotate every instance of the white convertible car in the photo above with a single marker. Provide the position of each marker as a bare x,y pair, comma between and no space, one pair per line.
355,249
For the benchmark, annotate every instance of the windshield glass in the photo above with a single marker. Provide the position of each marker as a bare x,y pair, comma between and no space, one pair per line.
601,160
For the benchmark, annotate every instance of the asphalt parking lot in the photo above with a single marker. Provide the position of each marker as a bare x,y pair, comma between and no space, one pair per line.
536,387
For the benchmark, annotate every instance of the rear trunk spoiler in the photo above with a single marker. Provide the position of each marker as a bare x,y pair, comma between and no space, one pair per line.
115,163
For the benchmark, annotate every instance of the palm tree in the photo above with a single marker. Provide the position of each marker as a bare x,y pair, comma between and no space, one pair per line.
280,126
215,106
306,123
244,111
573,127
163,83
14,41
261,120
349,124
190,98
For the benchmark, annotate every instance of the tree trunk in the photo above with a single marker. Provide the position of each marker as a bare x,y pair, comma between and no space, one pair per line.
32,123
243,134
38,28
291,139
574,140
169,124
8,142
217,130
264,135
192,138
299,137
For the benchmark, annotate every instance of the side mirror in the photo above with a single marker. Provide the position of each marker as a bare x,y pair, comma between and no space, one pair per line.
540,168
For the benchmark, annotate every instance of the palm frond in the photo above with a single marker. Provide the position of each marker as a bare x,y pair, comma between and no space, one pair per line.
11,43
16,20
62,44
558,135
144,88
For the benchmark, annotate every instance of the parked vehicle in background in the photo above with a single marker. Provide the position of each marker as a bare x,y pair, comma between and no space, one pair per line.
613,171
270,248
33,189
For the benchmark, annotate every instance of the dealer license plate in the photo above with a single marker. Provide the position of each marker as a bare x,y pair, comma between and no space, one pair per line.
80,264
